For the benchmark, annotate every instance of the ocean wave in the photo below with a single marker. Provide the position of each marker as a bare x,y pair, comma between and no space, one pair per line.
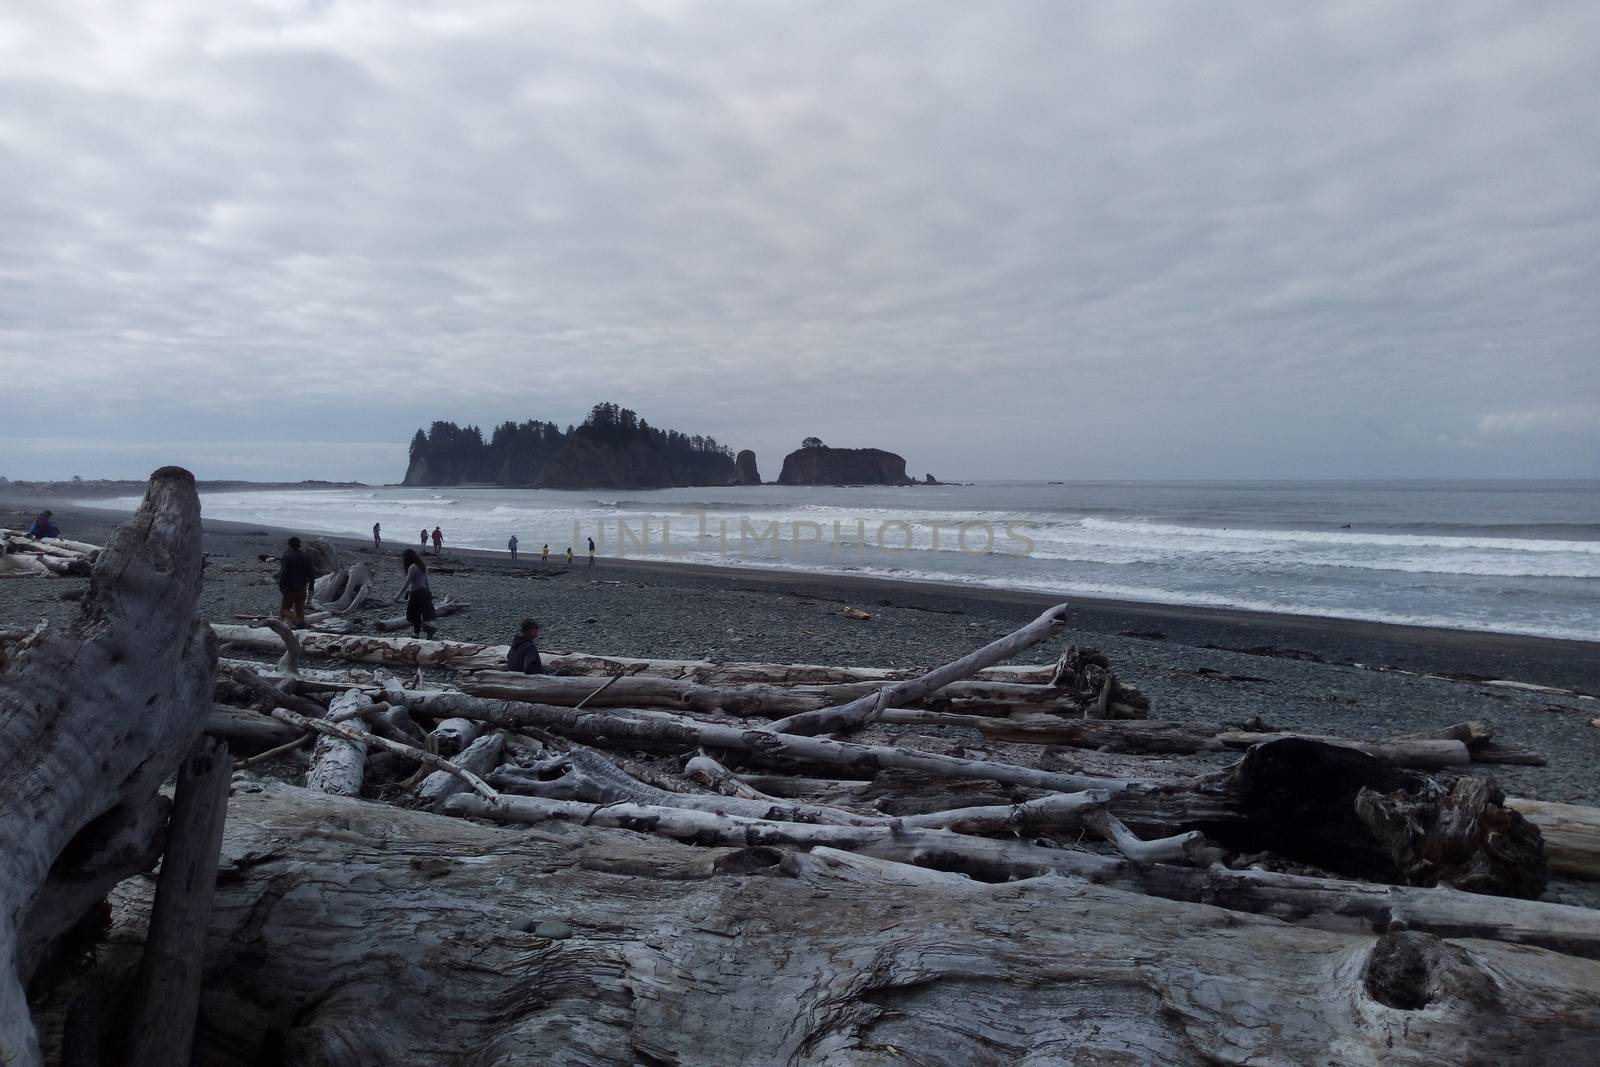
1140,527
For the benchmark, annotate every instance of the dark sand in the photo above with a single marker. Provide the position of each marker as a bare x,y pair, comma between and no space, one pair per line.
1198,664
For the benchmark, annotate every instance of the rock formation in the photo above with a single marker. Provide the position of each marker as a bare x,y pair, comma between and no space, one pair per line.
745,471
821,465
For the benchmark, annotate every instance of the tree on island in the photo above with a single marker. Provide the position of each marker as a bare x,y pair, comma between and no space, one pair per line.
812,442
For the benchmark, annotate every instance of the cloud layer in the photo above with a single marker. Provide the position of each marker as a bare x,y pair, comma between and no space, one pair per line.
1010,240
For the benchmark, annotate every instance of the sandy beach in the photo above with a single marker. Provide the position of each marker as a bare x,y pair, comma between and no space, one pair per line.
1333,676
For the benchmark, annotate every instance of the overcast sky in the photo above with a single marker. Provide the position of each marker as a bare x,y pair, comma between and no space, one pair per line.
1051,240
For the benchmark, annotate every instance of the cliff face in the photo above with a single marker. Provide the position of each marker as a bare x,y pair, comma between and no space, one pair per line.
843,466
744,469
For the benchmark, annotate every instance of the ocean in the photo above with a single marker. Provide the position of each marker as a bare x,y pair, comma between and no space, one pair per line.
1508,557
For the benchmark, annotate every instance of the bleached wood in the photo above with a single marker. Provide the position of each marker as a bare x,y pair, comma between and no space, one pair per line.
1571,834
864,709
338,763
98,713
166,994
674,956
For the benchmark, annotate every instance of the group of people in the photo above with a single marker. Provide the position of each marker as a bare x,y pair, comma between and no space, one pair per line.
296,576
422,538
544,553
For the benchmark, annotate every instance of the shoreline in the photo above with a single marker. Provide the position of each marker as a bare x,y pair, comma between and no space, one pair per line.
1459,654
1206,665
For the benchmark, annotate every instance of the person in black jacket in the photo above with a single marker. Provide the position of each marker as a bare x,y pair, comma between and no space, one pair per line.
523,656
294,582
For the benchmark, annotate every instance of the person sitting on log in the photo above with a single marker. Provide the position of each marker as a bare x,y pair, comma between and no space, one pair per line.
44,525
415,592
295,576
523,656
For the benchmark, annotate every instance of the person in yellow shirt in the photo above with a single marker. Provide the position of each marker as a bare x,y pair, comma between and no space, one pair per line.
569,555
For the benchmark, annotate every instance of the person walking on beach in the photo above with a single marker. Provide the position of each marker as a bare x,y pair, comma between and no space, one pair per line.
416,594
438,541
377,538
294,582
544,554
44,525
591,552
569,555
523,656
422,539
512,545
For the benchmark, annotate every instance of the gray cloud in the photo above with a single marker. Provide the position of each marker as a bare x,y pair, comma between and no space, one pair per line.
1022,239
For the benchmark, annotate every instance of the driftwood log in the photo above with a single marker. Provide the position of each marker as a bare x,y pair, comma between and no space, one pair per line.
458,942
768,701
92,719
463,655
1293,797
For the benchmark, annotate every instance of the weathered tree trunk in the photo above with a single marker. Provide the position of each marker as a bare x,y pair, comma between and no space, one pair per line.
247,731
166,995
1571,835
1319,902
356,588
98,715
859,712
1290,796
338,765
764,701
1148,736
480,757
459,941
454,734
462,655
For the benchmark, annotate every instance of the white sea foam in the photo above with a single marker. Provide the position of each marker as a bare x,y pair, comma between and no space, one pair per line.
1512,584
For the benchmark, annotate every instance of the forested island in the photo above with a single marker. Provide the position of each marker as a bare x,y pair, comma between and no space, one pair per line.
613,449
616,449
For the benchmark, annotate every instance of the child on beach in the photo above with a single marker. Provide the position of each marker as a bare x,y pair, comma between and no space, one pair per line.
544,554
569,555
416,594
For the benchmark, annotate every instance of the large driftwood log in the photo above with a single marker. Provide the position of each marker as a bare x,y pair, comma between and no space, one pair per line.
859,712
1291,796
480,758
463,655
98,715
590,947
1150,736
763,701
1329,904
338,764
644,728
1571,835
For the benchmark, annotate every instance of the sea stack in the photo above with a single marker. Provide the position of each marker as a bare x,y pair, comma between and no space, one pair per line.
745,471
817,464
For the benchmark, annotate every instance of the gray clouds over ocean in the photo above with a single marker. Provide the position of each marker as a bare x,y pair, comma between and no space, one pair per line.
1007,240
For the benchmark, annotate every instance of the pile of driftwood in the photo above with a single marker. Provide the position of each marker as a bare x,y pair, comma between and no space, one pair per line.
741,863
22,556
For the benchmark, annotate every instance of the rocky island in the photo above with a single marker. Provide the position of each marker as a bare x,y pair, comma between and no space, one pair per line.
814,463
613,449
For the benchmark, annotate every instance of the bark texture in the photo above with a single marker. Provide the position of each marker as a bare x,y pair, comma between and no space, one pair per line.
96,716
348,933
